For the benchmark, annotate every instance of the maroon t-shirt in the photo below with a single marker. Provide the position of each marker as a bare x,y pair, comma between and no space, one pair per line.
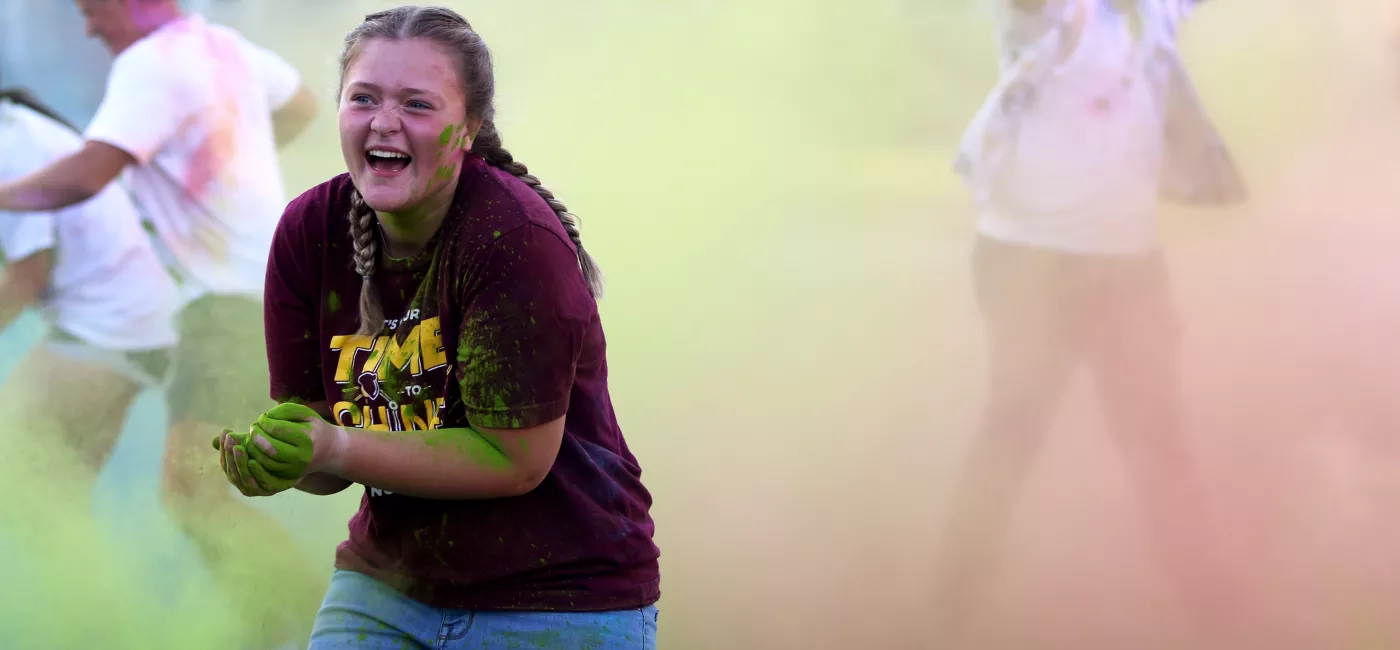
491,325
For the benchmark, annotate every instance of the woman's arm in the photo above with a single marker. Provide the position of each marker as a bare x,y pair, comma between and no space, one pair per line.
465,463
293,117
522,327
290,309
68,181
320,483
22,282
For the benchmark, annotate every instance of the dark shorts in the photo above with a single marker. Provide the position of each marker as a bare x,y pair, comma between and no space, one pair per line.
220,376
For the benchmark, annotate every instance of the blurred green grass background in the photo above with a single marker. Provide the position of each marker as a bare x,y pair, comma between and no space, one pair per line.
793,350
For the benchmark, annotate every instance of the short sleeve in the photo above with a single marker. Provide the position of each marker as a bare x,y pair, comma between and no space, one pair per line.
280,79
24,234
143,107
523,319
291,323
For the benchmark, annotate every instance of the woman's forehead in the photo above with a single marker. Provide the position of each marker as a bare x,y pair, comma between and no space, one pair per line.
397,64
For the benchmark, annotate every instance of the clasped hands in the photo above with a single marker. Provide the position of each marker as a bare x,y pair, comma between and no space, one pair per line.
284,445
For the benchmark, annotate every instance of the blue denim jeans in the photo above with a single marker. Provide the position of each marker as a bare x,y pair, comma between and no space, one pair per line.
363,613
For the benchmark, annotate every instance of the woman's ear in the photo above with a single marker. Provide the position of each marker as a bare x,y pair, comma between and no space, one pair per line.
473,126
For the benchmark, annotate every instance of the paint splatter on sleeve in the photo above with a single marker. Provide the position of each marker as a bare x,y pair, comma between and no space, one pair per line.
524,314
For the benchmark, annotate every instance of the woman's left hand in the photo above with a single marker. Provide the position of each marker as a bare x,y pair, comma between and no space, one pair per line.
245,473
287,442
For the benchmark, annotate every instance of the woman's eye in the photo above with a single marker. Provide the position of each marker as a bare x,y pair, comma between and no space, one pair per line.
418,105
360,99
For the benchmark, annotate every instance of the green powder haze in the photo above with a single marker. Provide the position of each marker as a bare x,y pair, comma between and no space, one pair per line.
793,347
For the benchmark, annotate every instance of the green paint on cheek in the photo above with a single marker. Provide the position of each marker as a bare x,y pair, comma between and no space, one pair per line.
446,136
333,302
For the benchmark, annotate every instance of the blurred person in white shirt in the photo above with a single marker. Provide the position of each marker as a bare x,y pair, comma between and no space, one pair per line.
1092,121
107,301
194,115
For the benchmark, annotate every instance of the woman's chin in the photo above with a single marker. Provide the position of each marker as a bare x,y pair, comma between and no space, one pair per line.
384,199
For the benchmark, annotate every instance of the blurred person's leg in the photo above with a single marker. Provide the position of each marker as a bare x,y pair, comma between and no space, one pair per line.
65,405
220,381
1134,361
1021,293
66,413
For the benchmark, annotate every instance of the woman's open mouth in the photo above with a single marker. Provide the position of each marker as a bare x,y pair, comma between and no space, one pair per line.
387,161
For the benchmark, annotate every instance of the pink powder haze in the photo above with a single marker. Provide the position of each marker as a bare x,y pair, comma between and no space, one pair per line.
795,353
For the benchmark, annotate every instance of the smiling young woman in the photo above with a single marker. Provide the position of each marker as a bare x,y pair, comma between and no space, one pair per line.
468,394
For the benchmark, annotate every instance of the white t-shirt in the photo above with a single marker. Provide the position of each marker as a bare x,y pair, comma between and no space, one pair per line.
1082,175
107,287
192,103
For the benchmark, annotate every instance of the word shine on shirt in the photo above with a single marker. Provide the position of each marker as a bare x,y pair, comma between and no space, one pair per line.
491,325
107,287
192,103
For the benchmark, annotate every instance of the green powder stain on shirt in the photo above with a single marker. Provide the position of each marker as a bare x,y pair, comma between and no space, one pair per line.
333,302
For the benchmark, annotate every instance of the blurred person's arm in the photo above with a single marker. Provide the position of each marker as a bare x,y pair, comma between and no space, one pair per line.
292,104
289,121
68,181
141,110
1072,27
27,241
22,283
1034,20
